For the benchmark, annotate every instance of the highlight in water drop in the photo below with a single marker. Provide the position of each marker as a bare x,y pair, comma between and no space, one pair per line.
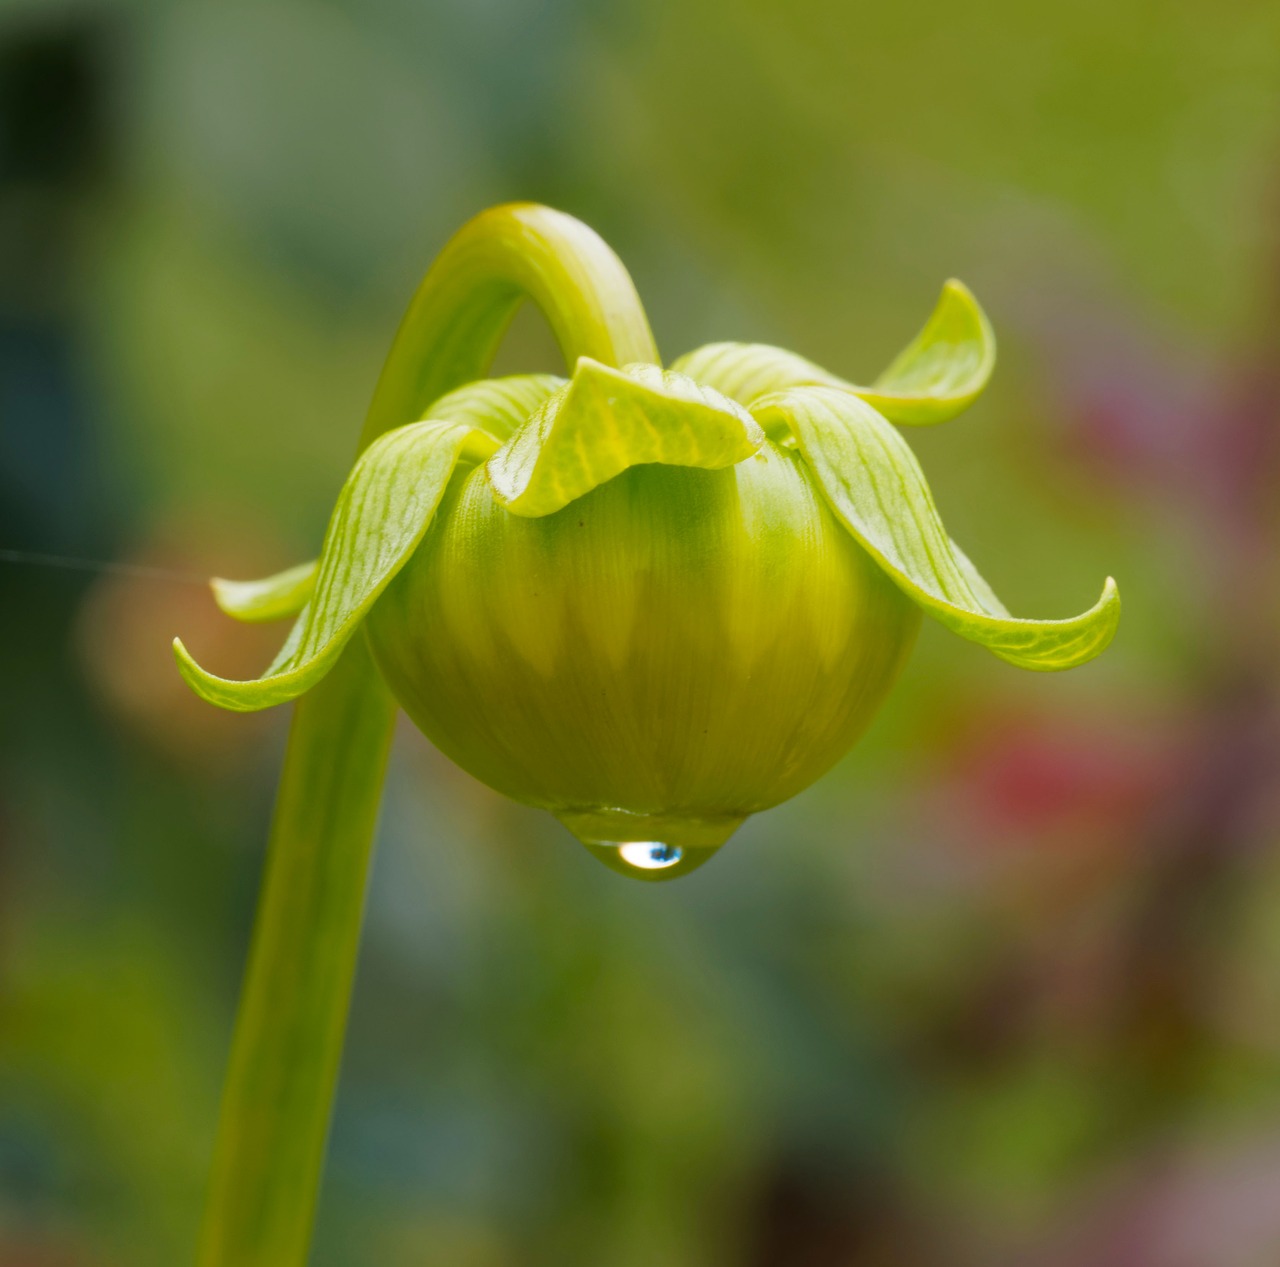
650,855
649,859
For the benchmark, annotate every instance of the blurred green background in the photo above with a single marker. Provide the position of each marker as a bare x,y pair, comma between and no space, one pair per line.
1003,988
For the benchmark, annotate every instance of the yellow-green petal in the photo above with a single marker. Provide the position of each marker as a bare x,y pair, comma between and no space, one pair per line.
936,376
605,420
271,598
875,486
381,515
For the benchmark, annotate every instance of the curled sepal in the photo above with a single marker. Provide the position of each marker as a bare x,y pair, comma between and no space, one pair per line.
944,368
382,512
936,376
500,406
272,598
875,486
605,420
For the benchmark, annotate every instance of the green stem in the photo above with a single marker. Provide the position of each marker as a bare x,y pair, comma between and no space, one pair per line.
288,1040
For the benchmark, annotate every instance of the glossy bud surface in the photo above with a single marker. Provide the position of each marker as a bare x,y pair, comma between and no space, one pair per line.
667,654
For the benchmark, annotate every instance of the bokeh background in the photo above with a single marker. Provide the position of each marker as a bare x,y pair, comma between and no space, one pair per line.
1004,989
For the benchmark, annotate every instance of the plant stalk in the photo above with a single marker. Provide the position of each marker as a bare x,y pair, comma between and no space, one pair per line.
287,1047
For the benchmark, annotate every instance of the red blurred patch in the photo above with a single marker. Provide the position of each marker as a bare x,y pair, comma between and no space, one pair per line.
1012,779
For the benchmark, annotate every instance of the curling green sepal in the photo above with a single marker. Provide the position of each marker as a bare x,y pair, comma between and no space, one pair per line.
382,513
873,483
271,598
937,375
499,406
605,421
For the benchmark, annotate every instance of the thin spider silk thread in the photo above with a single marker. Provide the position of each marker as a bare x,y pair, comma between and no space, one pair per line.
140,571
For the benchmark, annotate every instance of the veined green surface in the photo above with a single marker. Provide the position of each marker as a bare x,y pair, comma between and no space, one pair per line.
874,484
564,440
940,373
496,405
570,438
384,509
500,406
678,645
605,421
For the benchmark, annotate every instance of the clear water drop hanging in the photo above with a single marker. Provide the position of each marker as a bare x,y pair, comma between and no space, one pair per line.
649,859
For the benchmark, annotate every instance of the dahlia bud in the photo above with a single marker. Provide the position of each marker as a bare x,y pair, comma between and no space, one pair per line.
652,602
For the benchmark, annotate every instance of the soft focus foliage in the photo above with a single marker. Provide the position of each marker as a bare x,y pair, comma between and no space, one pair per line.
1002,988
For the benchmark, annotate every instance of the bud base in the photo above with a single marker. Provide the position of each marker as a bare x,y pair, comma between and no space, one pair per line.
618,826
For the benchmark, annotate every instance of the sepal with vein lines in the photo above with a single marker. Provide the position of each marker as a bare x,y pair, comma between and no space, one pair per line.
605,420
499,406
381,515
876,488
936,376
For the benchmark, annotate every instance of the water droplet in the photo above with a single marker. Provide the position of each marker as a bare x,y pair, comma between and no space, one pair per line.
650,855
647,846
649,859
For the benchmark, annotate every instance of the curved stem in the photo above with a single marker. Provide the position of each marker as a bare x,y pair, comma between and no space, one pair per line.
288,1040
472,291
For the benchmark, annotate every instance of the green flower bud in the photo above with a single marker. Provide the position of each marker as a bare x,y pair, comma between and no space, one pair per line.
667,654
652,602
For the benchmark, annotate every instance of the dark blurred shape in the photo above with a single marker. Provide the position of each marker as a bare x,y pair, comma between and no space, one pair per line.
53,90
807,1218
56,154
